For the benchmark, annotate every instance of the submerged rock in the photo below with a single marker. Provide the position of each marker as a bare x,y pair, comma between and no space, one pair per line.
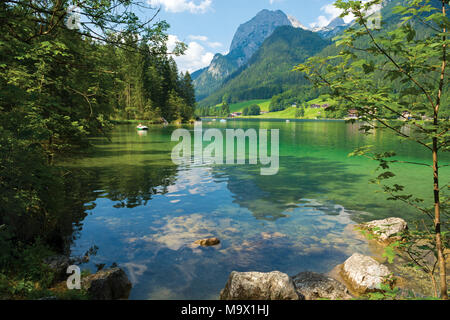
314,286
208,242
111,284
388,229
259,286
365,274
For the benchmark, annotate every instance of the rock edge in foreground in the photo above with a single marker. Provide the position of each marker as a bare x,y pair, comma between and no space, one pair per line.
259,286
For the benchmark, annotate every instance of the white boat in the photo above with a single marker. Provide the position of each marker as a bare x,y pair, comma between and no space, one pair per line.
287,121
142,128
223,120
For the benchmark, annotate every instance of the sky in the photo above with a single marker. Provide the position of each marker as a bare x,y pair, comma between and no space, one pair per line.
208,26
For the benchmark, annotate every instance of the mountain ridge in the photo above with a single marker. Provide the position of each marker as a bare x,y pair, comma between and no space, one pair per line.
270,66
247,40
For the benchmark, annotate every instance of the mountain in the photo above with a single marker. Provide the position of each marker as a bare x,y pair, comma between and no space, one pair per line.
246,41
268,71
335,26
250,35
295,23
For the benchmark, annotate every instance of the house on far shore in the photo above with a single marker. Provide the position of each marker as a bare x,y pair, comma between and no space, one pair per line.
236,114
353,114
406,115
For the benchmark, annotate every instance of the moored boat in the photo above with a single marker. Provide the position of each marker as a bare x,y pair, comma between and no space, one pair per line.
142,128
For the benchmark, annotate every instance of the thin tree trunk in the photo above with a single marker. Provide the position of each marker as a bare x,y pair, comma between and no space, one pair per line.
435,288
437,225
437,211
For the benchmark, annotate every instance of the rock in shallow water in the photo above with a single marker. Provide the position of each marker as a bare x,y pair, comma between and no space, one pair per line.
259,286
207,242
314,286
387,229
111,284
364,273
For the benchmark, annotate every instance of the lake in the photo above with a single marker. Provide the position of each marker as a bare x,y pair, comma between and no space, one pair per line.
145,212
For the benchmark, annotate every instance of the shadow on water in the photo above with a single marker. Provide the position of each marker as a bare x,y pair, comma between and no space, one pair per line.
267,197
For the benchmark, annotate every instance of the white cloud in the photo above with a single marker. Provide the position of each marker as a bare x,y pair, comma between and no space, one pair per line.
205,40
195,57
321,22
332,12
215,44
193,6
199,38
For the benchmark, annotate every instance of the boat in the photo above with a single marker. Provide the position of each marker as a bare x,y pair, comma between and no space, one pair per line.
142,128
223,120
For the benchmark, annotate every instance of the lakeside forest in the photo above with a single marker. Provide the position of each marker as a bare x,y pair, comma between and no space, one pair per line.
61,87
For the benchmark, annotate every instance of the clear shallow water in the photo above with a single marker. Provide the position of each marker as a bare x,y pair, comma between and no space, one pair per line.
146,212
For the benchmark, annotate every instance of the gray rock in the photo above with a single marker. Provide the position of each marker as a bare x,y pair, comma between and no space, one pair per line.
111,284
365,274
314,286
387,229
59,265
259,286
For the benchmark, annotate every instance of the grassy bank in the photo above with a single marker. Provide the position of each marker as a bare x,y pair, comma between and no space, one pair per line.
289,113
240,106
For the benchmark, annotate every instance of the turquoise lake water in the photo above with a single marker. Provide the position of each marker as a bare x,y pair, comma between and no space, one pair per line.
147,212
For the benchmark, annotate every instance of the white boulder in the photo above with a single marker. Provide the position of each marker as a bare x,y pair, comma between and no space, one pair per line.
365,274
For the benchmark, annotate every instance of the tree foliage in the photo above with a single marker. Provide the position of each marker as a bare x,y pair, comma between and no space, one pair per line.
61,85
396,72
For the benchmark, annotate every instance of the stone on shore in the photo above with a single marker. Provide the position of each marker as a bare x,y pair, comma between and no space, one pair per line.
365,274
387,229
259,286
111,284
314,286
59,265
208,242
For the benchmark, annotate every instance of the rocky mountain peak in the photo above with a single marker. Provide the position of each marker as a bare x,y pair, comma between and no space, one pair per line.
295,23
247,40
336,22
250,35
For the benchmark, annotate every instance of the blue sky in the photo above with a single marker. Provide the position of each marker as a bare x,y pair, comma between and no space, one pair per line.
208,26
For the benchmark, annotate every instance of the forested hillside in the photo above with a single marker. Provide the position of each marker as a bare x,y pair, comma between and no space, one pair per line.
269,70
